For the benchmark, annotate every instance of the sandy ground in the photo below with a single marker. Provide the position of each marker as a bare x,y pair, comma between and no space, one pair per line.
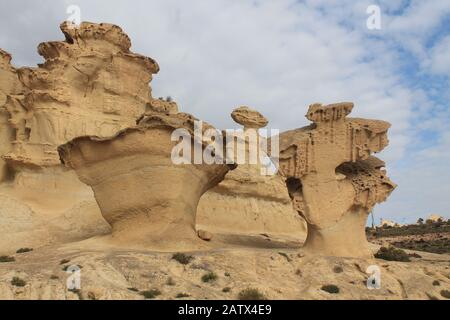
278,269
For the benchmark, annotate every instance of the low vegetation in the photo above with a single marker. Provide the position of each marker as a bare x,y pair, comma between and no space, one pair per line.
338,269
439,246
226,289
151,294
445,294
182,258
18,282
182,295
251,294
7,259
392,254
426,236
64,261
411,229
330,288
23,250
209,277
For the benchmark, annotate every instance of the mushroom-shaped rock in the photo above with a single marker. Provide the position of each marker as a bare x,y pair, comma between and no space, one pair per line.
146,197
249,201
333,180
249,118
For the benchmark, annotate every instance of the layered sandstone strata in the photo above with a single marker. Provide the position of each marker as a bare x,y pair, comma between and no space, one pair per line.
146,197
10,86
89,84
249,201
333,180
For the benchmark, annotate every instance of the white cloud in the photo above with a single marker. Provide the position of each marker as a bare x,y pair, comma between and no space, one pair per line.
439,62
276,56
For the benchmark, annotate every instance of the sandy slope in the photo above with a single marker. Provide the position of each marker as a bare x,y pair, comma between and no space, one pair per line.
280,272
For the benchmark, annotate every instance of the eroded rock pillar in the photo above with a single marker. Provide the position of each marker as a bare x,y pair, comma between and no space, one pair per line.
333,180
145,196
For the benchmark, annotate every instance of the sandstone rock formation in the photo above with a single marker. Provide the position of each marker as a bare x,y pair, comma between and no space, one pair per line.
333,180
9,86
89,84
246,201
146,197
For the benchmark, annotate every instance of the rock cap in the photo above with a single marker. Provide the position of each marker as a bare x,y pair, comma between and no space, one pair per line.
249,118
332,112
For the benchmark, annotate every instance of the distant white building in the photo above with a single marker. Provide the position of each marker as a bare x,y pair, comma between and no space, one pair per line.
435,218
388,223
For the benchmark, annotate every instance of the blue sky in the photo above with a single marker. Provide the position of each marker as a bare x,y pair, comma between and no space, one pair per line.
279,57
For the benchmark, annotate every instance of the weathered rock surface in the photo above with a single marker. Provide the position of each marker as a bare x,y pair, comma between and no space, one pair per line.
89,84
277,273
146,198
333,180
9,86
247,201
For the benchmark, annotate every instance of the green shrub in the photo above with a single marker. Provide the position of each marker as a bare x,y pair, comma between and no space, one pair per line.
445,294
392,254
182,295
133,289
436,283
53,277
251,294
7,259
209,277
338,269
23,250
226,289
182,258
16,281
330,288
151,294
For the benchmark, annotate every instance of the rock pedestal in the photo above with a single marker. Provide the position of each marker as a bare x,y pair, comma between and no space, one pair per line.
147,198
333,180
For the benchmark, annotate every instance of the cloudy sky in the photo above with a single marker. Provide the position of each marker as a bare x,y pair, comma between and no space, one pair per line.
279,57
